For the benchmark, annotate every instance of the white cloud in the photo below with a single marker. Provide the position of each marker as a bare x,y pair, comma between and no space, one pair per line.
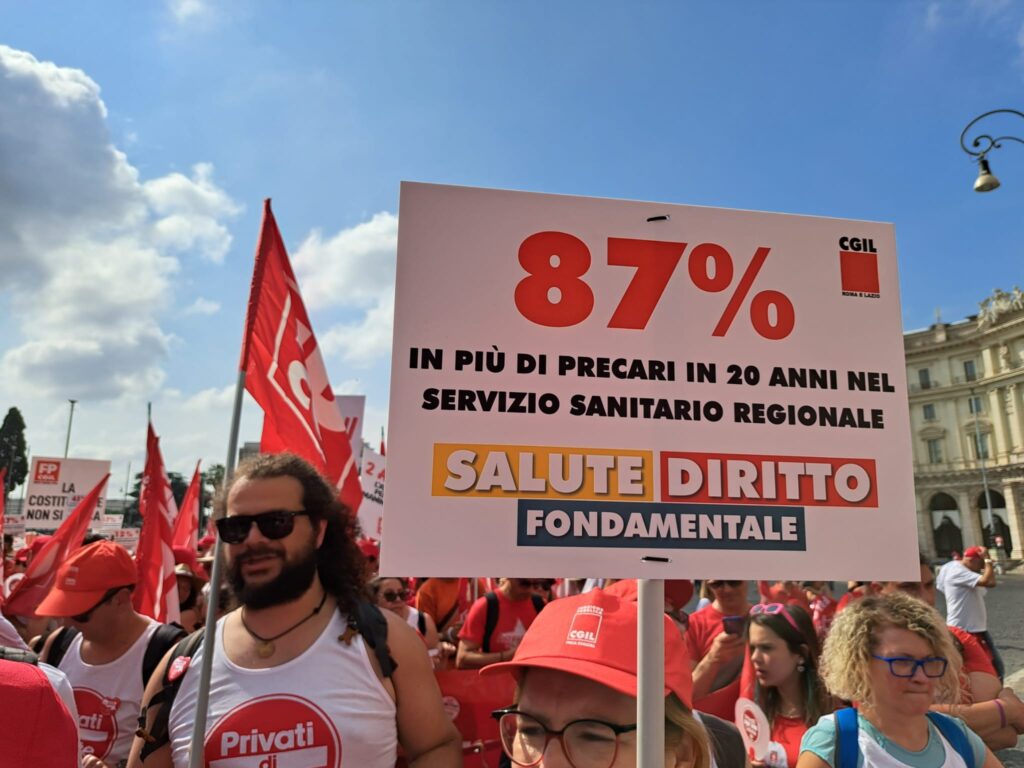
367,341
356,267
933,16
203,306
185,11
86,250
210,399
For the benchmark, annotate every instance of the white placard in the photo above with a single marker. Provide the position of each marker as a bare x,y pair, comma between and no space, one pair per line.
627,389
55,486
371,511
352,408
127,538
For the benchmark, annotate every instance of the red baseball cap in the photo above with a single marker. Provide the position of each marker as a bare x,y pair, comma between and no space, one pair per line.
677,591
593,635
25,554
85,577
976,552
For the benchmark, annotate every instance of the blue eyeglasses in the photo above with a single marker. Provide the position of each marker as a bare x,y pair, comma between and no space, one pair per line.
904,666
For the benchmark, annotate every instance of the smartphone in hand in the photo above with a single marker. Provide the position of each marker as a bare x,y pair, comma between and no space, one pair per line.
733,625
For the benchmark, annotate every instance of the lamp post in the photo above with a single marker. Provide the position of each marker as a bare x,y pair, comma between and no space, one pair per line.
983,144
976,405
67,440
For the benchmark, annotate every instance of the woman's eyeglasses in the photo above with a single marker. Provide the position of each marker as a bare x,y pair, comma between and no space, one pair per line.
904,666
275,524
586,743
394,597
719,583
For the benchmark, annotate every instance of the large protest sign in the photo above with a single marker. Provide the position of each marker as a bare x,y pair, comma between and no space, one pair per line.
55,486
371,511
601,387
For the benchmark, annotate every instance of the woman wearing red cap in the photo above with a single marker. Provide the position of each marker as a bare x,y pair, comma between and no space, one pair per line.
576,670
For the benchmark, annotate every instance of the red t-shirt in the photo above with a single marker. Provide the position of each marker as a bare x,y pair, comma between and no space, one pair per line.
976,659
42,734
785,743
705,625
514,618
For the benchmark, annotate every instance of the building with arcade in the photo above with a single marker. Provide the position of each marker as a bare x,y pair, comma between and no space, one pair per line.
966,382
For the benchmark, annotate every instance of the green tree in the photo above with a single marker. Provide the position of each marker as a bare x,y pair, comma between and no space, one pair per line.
132,518
13,453
213,480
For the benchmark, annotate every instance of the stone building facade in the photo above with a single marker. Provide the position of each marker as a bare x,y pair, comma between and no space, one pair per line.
966,382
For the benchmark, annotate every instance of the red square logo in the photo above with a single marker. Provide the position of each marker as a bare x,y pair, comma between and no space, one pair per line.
47,472
859,271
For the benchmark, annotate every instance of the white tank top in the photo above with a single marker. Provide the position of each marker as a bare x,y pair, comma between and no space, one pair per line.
324,709
108,698
413,619
876,757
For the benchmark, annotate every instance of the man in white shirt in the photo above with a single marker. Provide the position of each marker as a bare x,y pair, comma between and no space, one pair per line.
964,584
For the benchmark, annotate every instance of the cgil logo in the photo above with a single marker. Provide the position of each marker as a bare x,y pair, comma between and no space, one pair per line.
585,627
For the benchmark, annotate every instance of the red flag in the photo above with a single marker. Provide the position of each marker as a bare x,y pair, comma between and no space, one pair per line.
3,499
186,524
42,571
382,452
285,373
156,594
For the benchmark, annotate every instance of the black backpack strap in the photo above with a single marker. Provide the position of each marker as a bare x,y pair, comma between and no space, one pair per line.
157,735
369,622
160,642
17,654
538,603
491,621
448,616
421,623
61,642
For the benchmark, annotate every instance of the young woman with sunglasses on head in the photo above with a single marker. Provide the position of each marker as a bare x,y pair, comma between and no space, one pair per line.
392,594
893,657
781,676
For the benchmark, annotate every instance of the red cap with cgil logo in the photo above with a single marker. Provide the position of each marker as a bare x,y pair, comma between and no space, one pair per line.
975,552
593,635
85,577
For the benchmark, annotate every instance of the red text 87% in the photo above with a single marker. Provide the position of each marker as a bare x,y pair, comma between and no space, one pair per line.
554,293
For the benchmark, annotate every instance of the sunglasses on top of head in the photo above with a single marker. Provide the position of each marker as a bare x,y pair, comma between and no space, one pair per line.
275,524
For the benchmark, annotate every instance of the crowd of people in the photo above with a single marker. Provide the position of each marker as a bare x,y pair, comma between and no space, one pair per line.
316,655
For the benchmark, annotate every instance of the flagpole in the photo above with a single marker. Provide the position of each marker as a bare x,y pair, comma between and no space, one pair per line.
206,668
650,694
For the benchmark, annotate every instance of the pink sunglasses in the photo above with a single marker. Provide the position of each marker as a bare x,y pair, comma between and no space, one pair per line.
773,609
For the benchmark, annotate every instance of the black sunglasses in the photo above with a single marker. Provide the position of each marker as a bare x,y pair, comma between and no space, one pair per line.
536,583
718,583
391,597
83,618
275,524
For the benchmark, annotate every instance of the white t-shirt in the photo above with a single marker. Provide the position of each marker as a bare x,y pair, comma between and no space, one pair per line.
965,600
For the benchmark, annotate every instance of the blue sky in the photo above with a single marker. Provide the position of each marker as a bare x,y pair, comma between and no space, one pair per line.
137,141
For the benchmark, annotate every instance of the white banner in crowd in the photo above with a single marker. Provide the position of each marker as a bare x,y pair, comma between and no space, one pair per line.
14,523
127,538
371,511
352,408
588,387
55,486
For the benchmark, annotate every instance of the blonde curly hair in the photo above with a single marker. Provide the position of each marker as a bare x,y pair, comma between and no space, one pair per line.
853,637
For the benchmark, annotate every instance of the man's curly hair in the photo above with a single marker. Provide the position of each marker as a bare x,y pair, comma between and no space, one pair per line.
339,561
853,637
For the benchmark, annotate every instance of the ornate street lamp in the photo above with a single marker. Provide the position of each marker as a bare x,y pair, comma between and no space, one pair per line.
982,145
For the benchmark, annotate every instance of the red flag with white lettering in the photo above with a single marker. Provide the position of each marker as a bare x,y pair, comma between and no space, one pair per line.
42,570
156,594
3,499
285,373
186,524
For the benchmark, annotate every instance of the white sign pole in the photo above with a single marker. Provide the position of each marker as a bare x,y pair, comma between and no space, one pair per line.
650,693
